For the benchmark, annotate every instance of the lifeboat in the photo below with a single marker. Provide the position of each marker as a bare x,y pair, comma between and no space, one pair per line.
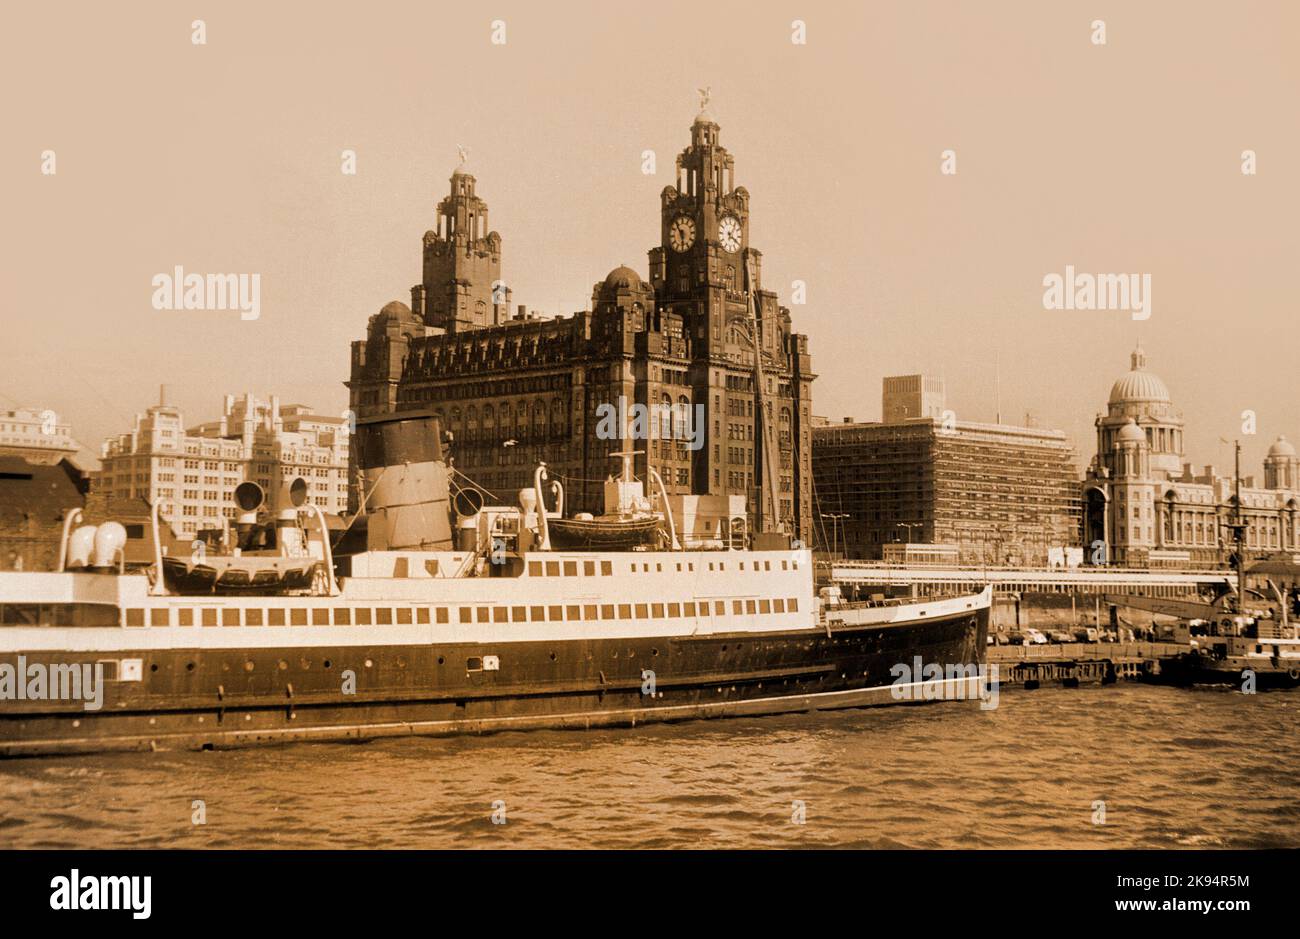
629,522
223,575
603,534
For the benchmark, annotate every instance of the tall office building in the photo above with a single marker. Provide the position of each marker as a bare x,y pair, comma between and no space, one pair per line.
986,493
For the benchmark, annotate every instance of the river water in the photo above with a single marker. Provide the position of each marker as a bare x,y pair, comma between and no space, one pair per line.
1174,768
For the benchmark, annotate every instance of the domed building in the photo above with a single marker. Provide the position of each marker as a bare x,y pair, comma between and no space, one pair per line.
1143,505
1281,466
1141,399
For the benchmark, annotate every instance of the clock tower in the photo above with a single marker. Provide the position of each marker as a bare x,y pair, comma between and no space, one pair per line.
746,363
698,269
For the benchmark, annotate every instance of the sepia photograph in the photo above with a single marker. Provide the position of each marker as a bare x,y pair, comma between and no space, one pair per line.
575,444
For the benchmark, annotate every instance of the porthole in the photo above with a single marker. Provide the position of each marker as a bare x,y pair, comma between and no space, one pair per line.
369,664
283,665
326,663
552,656
189,666
248,666
153,668
441,660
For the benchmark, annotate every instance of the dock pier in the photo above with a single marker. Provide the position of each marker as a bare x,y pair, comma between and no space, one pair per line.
1072,664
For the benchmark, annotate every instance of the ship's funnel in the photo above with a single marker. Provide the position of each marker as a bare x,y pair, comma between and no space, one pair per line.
408,494
110,539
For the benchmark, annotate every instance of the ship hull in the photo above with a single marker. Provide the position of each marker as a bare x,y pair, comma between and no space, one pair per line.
204,698
1194,668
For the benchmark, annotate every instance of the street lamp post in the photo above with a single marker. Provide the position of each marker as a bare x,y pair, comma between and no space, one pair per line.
835,517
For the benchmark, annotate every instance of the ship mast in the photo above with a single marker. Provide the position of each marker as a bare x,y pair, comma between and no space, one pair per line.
1239,532
767,517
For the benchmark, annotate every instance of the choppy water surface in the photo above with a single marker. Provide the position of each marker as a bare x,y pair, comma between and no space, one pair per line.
1176,768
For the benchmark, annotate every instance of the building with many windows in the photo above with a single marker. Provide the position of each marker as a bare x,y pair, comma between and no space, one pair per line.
699,339
1144,505
194,471
36,435
984,493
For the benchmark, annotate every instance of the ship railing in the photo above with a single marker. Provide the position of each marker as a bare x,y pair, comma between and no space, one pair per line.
853,563
892,601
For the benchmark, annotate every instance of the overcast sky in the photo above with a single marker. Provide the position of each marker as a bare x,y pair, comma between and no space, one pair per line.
225,158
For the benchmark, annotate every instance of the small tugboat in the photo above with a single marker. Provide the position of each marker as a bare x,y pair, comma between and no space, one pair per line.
1243,637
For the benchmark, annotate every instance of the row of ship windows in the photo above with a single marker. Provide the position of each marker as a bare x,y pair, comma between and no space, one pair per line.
570,568
402,616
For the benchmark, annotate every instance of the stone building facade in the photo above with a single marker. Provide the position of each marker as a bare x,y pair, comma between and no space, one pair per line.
194,471
1145,506
517,390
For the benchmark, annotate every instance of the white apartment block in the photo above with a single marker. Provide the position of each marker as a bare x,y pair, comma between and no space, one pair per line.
37,435
194,472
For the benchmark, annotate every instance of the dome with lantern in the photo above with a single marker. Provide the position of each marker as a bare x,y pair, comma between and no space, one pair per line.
1139,386
1282,448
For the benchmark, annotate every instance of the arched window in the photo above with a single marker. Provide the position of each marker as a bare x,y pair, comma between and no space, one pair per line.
682,418
682,432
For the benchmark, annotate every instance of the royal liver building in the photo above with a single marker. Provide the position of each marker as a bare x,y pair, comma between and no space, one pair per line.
699,334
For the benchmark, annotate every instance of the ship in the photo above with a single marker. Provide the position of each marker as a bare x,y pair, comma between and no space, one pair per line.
438,613
1243,637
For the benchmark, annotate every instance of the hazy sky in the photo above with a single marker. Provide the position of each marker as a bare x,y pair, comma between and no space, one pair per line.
225,157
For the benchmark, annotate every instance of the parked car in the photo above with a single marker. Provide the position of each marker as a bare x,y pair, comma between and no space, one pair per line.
1035,637
1057,635
1015,638
1086,634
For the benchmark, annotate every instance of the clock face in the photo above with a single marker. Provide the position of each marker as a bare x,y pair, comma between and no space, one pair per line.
729,234
682,233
